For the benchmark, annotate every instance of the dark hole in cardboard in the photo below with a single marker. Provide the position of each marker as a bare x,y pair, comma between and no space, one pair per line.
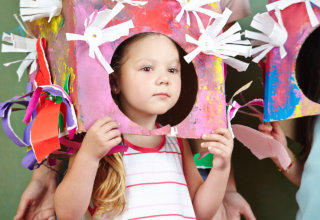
308,66
188,95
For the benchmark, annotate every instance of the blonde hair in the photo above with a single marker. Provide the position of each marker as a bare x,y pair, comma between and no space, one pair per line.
109,187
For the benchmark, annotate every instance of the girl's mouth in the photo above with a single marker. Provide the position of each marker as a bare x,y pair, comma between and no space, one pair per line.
162,95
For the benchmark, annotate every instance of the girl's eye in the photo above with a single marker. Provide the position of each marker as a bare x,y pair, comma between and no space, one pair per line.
147,69
173,70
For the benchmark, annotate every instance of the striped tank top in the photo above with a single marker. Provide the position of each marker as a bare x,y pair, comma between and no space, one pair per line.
156,186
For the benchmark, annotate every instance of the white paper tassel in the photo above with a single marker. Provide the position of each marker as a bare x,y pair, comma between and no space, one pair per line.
282,4
272,35
31,10
132,2
95,34
194,6
18,44
226,45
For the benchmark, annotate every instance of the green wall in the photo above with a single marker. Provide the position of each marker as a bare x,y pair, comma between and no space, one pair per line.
13,177
270,194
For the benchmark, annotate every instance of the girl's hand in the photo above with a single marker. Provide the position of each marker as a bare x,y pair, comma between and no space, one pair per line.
100,138
274,131
220,143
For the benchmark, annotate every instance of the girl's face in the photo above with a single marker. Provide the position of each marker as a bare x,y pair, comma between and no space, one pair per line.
150,80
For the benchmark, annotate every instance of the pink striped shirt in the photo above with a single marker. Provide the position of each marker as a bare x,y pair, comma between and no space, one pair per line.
156,186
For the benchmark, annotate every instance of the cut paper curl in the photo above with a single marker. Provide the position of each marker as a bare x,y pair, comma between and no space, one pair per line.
29,161
18,44
5,114
194,6
31,10
273,33
226,45
95,34
42,132
282,4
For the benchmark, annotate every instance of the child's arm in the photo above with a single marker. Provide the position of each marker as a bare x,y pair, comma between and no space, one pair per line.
207,196
73,194
294,173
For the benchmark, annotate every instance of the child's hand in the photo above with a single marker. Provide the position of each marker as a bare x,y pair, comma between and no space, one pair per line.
100,138
274,131
220,143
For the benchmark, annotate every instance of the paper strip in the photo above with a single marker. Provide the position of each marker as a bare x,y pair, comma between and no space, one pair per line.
194,6
283,4
31,10
226,45
45,132
273,33
95,34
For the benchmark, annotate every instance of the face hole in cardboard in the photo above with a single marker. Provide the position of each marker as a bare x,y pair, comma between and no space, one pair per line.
308,66
189,88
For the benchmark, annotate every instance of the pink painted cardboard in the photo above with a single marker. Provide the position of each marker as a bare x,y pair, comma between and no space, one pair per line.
90,90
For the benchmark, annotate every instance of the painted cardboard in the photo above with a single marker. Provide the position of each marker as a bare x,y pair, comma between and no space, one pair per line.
89,82
283,98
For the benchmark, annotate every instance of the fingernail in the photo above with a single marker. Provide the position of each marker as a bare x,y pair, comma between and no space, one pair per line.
202,144
209,148
204,136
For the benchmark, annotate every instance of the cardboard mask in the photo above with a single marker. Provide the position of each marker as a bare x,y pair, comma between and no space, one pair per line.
283,97
89,81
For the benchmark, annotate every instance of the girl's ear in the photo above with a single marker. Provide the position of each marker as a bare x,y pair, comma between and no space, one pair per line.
114,83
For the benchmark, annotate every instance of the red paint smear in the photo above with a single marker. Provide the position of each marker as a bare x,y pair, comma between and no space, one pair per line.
151,17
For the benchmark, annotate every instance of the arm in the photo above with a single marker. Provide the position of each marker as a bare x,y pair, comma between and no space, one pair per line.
294,173
73,194
37,200
207,196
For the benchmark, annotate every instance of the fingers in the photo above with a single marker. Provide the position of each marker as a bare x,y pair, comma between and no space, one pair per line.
23,205
246,211
102,121
45,214
218,150
116,141
265,128
215,137
220,142
225,132
109,126
276,127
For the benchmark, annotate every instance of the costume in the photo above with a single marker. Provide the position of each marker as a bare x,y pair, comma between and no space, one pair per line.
308,195
155,181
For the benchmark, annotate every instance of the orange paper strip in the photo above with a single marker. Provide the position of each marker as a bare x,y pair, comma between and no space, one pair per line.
45,132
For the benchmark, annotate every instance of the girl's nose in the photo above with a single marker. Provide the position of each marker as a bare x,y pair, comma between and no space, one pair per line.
163,79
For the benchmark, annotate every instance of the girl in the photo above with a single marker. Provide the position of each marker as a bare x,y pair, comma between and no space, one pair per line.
305,171
157,176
